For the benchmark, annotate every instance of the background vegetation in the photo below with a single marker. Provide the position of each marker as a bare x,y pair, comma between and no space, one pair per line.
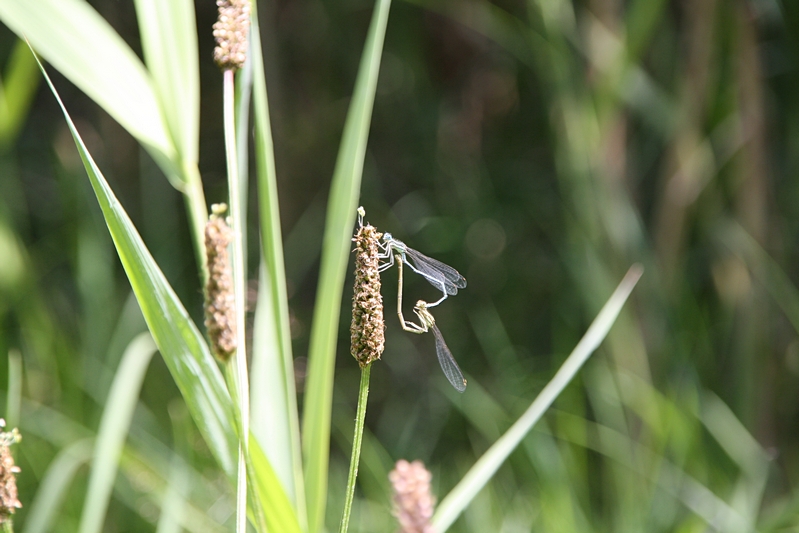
540,148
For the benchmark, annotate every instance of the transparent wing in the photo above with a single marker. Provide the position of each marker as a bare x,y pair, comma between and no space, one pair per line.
447,362
436,272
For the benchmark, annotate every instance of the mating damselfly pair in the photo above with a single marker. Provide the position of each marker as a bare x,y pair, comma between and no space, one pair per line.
440,275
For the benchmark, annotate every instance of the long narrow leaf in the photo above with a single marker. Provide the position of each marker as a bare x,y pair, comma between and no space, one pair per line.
277,509
114,426
764,268
275,419
344,193
14,391
154,471
457,500
20,81
54,484
181,344
169,41
72,36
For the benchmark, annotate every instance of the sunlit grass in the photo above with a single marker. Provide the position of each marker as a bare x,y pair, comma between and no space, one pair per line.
542,148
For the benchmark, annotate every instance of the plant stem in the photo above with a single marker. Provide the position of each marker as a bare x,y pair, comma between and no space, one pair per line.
198,215
357,440
237,221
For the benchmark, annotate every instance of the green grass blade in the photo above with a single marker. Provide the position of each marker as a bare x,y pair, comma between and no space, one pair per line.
174,504
54,485
181,344
169,41
765,269
276,422
277,509
137,466
14,392
271,411
20,81
744,449
669,477
732,436
336,247
72,36
114,426
482,471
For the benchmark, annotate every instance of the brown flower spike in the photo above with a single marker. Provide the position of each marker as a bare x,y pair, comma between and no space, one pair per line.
413,503
230,32
367,329
220,303
9,502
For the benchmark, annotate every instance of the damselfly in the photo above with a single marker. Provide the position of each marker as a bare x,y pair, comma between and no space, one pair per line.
442,276
427,323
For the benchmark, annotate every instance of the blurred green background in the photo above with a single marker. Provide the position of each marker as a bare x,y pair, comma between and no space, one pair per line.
540,148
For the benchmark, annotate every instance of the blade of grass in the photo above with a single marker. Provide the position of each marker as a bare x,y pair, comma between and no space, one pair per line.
271,422
764,268
742,448
14,393
169,41
277,508
54,485
50,425
340,220
117,415
477,477
174,504
72,36
152,486
641,459
182,346
20,80
277,426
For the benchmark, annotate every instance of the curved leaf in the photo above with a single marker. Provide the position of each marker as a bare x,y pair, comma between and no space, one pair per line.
275,417
169,40
181,344
456,501
19,84
277,510
114,427
54,485
72,36
344,193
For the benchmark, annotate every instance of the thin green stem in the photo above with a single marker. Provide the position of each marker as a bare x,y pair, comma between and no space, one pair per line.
198,215
237,221
357,440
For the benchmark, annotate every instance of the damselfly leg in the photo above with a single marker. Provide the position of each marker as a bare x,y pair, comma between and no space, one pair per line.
427,323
